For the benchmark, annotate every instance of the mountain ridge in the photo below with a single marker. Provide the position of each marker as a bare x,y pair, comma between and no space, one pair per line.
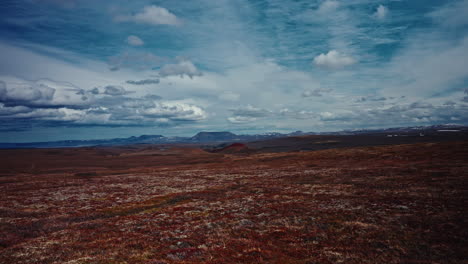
217,137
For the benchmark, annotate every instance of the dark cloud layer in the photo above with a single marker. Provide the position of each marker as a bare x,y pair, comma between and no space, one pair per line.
144,82
114,90
67,105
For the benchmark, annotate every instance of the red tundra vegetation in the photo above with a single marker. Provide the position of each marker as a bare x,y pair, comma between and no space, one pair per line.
166,204
233,148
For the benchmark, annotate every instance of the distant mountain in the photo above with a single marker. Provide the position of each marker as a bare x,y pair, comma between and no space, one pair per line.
201,137
144,139
422,129
213,136
222,137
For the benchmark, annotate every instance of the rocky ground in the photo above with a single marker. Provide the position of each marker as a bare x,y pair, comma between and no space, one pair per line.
386,204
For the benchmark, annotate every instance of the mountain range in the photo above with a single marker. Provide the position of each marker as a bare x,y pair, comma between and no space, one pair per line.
219,137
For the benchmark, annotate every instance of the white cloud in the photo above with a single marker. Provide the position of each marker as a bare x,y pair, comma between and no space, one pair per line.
316,92
135,60
381,12
241,119
135,41
29,93
328,6
453,15
152,15
43,92
339,115
266,84
301,115
333,60
70,104
247,114
84,73
229,96
57,114
182,68
427,67
250,111
47,100
176,111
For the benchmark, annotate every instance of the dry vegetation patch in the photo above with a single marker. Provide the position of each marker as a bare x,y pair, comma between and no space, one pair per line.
392,204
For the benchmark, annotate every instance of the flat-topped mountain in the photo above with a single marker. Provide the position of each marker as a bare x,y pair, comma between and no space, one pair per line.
213,136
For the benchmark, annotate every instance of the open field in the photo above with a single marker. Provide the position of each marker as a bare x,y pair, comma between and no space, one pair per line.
180,204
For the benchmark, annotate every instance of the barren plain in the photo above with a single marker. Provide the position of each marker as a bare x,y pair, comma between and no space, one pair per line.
180,204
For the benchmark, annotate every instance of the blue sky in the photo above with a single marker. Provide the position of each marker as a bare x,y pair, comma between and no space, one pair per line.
81,69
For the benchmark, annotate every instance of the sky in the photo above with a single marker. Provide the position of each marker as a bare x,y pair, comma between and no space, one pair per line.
86,69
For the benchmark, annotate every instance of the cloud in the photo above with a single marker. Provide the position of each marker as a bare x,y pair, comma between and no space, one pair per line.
266,65
3,90
427,67
135,41
31,102
301,114
420,104
182,68
115,90
26,92
42,93
229,96
317,92
152,97
149,109
110,111
247,114
94,91
13,110
136,60
465,99
370,99
250,111
151,15
381,12
397,114
62,115
452,15
431,60
340,115
144,82
175,111
328,6
241,119
333,60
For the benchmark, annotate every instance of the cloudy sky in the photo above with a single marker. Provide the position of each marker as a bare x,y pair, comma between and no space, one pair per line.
82,69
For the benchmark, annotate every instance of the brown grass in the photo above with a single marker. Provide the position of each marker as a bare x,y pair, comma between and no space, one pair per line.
391,204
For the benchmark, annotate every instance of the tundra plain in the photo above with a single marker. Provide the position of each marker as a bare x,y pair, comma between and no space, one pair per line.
403,203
